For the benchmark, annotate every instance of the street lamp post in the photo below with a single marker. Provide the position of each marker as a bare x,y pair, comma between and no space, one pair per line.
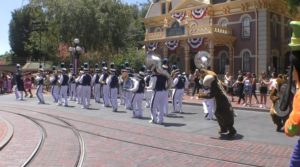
75,52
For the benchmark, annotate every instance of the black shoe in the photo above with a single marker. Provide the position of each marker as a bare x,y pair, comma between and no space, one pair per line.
206,115
279,129
232,132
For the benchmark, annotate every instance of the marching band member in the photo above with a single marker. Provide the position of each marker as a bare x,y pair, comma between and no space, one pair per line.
40,82
79,86
113,84
19,83
105,87
158,85
166,92
127,84
63,82
138,90
86,82
178,91
96,84
121,91
54,85
72,84
148,93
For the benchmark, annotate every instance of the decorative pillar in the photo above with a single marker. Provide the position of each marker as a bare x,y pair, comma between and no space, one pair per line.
211,48
231,59
187,64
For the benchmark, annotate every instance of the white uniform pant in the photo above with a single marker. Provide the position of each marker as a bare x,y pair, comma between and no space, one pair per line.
177,96
39,93
55,92
19,94
148,95
79,94
72,91
122,96
128,99
63,95
114,98
137,104
158,106
209,107
96,92
166,104
86,96
106,100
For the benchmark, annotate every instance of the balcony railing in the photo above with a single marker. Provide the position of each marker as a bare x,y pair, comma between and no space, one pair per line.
203,30
192,31
155,36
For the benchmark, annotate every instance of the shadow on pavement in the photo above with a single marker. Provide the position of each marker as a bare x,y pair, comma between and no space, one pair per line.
226,137
121,112
93,109
173,124
187,113
145,118
174,116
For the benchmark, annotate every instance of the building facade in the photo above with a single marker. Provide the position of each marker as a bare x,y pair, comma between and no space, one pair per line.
246,35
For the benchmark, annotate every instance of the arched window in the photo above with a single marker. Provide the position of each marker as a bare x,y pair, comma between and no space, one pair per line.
223,62
246,61
223,22
246,29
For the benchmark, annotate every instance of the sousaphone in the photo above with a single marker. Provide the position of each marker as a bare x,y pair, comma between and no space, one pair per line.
202,59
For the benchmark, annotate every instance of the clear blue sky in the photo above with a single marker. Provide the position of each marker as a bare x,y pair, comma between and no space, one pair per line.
5,16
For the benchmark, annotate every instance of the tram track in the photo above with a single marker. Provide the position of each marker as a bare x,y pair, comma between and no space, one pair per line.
41,141
146,145
81,145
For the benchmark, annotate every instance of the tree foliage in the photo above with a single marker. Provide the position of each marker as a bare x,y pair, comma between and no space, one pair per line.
106,28
293,6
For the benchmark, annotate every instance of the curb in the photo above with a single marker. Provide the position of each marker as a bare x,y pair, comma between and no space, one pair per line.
8,136
255,109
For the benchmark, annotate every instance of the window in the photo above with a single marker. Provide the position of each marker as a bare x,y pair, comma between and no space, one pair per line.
223,22
223,62
246,61
246,27
170,6
163,8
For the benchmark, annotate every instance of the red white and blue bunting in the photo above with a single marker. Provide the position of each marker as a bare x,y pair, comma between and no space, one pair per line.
152,46
199,13
172,45
195,42
179,16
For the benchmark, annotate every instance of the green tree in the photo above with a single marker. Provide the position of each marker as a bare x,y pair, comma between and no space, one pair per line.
293,6
19,31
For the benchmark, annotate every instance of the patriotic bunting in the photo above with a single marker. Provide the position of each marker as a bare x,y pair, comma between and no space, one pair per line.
199,13
172,45
179,16
152,46
195,42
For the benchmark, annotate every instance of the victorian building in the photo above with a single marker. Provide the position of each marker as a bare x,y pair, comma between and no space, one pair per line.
246,35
